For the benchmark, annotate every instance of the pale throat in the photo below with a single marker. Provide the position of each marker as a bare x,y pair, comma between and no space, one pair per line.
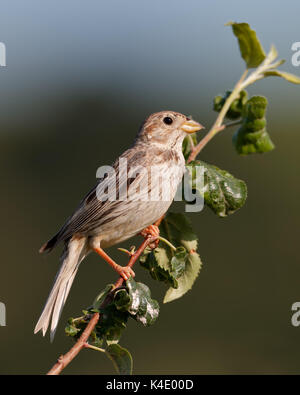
167,143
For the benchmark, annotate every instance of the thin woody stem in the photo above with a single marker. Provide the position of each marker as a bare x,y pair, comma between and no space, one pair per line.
64,360
158,222
82,342
134,257
218,125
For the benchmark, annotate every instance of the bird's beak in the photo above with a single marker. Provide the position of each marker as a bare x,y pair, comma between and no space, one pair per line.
191,126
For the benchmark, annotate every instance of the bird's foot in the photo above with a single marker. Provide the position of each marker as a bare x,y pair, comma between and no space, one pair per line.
151,231
124,271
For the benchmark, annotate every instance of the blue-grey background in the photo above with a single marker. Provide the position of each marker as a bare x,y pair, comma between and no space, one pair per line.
80,78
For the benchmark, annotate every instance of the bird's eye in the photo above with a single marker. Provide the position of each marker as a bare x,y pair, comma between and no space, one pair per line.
168,120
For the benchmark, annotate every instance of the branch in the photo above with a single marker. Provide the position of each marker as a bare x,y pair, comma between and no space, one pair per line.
218,125
268,65
64,360
81,343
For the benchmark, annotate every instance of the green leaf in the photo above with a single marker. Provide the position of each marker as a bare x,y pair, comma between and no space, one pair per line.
163,266
236,108
251,49
121,358
71,330
111,323
157,261
178,263
222,192
178,269
112,319
115,307
187,279
177,228
287,76
102,295
142,308
252,136
76,326
122,299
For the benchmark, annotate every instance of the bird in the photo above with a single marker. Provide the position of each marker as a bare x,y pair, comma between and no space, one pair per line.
105,218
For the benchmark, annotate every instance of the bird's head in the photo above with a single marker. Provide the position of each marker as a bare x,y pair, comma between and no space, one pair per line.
167,128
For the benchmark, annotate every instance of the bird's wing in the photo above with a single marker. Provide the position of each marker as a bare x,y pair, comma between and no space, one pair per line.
102,203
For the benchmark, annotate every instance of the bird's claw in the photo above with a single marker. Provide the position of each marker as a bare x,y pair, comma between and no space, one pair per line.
151,231
125,272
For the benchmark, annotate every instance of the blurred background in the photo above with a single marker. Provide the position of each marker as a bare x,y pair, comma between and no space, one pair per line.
79,80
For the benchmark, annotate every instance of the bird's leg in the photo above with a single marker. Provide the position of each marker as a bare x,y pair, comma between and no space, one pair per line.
151,231
125,272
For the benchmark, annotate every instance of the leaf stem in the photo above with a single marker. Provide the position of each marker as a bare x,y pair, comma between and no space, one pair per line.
167,242
87,345
233,123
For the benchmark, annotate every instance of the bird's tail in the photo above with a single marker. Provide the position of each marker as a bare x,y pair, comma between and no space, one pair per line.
72,255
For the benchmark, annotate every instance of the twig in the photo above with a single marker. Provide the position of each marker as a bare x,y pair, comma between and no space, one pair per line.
218,125
64,360
158,222
82,342
135,256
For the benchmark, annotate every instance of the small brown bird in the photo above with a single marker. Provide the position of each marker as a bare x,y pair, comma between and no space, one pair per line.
106,217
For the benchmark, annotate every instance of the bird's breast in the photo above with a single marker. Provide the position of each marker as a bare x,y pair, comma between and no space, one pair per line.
149,197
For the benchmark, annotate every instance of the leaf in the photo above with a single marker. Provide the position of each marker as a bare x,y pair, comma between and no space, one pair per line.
157,262
236,108
115,307
178,262
142,308
178,269
121,358
176,228
222,192
287,76
71,329
252,136
251,49
111,323
76,326
186,281
163,266
102,295
122,300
